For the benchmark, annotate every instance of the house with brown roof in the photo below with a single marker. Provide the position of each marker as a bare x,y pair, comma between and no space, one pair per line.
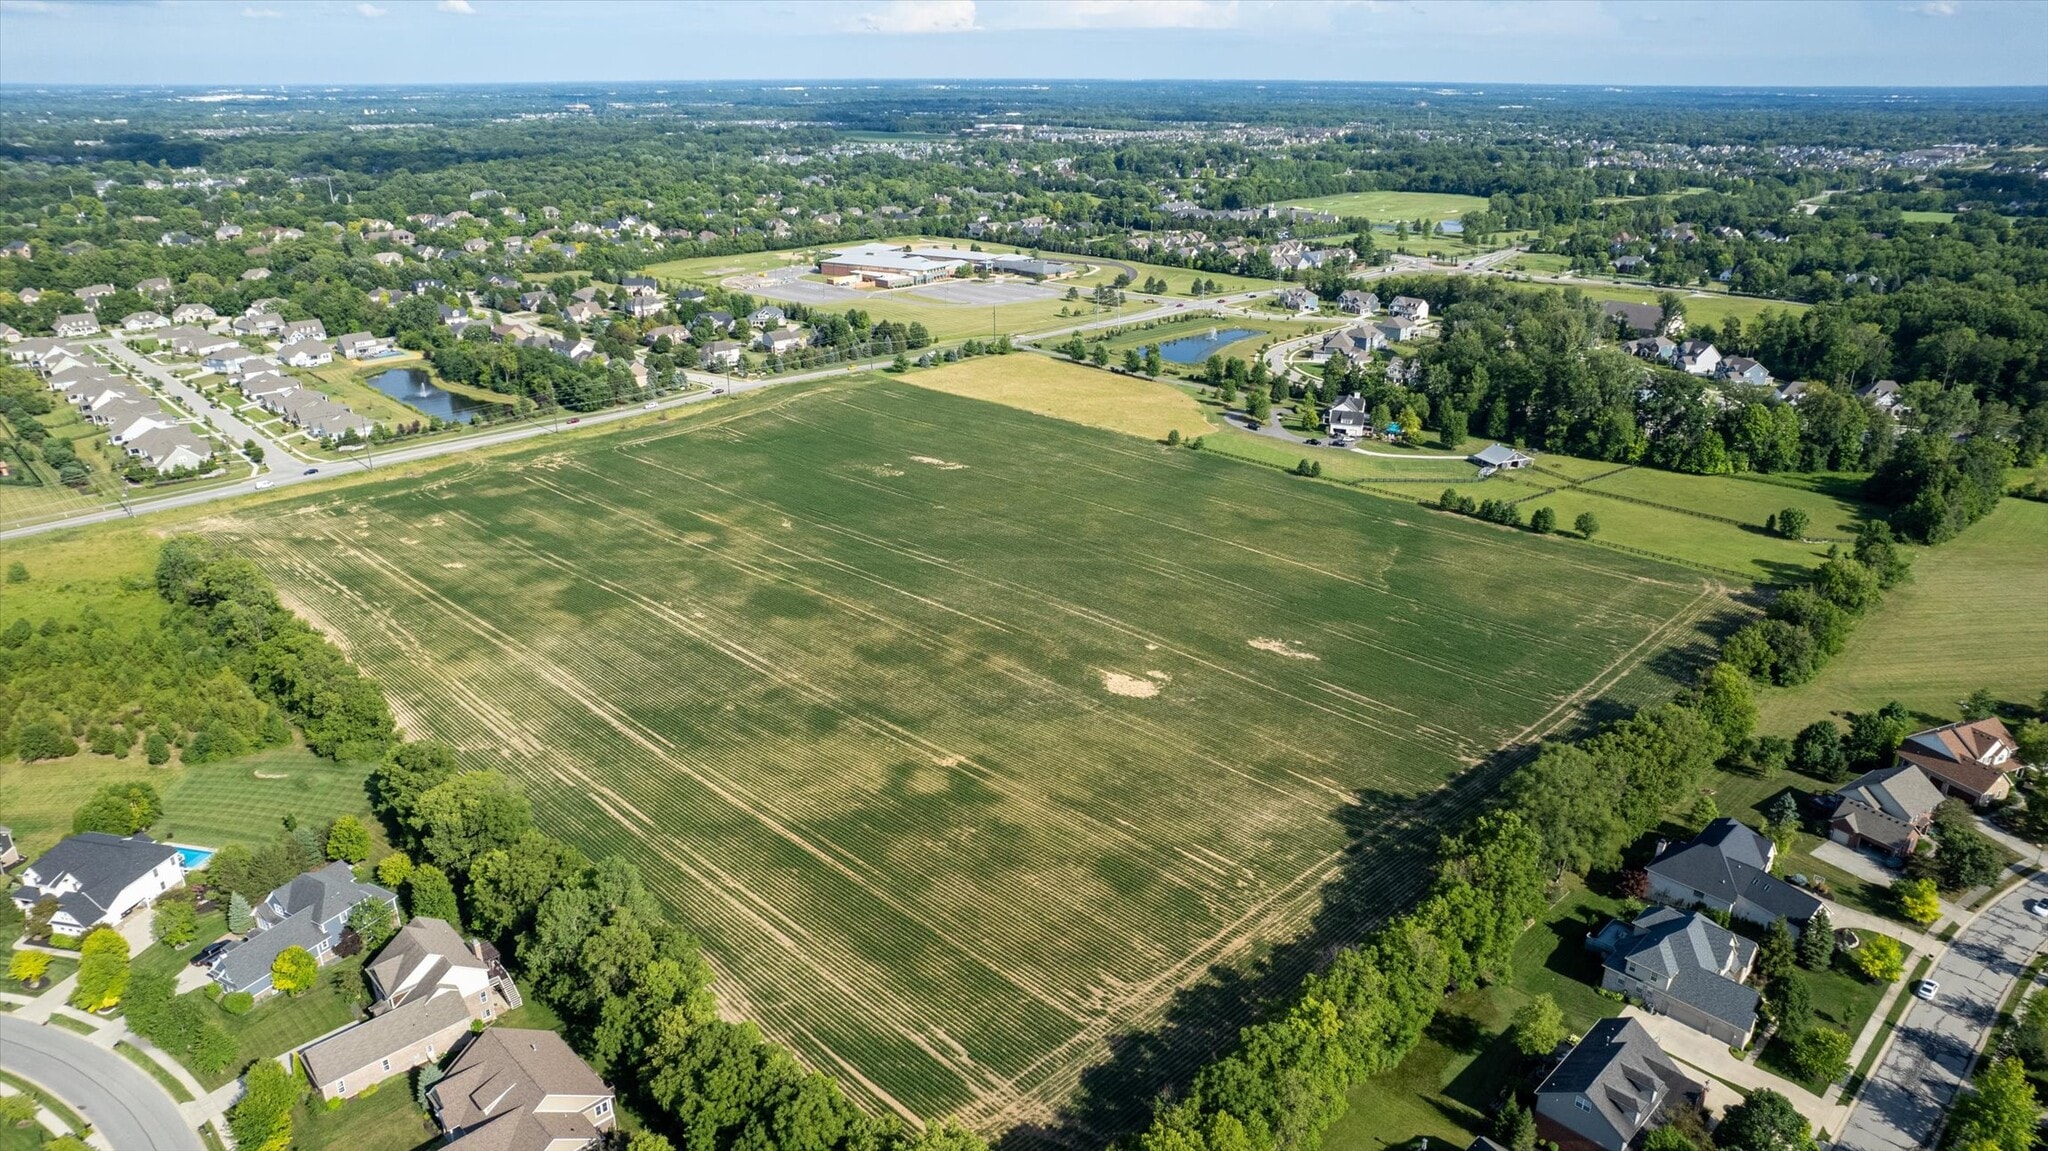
429,986
1886,811
515,1090
1970,760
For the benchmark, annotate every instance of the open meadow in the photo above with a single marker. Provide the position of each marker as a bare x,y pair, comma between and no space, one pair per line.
966,737
1387,207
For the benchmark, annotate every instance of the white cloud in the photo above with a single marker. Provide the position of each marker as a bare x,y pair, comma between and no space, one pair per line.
261,14
1936,7
915,17
370,11
1130,14
459,7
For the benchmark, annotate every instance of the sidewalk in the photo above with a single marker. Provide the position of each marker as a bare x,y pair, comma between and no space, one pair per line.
1703,1052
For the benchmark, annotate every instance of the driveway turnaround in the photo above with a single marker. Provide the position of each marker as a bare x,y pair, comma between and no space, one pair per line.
1902,1105
124,1106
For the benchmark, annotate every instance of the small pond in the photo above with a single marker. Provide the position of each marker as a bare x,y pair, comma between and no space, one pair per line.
1198,348
413,387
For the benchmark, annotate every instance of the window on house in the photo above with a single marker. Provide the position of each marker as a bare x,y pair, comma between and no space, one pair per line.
1582,1103
604,1107
341,1087
387,1065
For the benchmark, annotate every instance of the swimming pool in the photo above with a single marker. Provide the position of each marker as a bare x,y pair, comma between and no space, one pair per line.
192,858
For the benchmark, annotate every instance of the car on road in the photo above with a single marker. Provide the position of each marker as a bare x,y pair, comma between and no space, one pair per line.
1314,443
211,952
1926,989
265,485
721,391
650,405
2038,908
310,472
576,420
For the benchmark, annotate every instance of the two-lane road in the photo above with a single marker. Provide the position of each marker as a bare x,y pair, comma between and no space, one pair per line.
1903,1104
122,1104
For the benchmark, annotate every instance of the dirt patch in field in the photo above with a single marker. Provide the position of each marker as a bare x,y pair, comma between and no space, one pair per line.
273,775
936,462
455,565
1281,647
883,470
1117,683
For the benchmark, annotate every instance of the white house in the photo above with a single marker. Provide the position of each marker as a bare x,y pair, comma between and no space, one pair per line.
98,878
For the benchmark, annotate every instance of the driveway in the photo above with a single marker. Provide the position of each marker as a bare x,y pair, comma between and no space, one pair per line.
125,1106
1902,1105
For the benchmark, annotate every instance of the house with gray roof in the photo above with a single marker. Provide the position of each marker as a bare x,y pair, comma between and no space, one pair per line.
98,878
168,448
9,853
1886,811
309,911
193,314
1350,417
1728,868
1499,456
517,1090
76,324
1613,1086
429,985
1682,964
1358,302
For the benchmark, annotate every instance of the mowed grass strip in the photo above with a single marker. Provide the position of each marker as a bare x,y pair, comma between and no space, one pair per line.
963,736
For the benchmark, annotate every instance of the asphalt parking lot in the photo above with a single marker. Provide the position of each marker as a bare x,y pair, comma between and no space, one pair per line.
983,292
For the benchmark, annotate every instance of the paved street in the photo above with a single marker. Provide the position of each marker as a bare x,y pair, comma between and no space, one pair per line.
229,424
1902,1105
125,1107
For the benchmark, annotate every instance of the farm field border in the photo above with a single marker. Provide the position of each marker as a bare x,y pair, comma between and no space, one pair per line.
770,651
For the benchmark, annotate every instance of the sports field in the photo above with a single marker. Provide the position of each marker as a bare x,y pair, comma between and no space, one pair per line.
964,736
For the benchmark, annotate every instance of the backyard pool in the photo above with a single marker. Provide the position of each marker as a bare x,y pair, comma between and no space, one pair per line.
192,858
1195,349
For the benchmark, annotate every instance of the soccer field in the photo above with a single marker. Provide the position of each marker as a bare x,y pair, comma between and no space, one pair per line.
963,736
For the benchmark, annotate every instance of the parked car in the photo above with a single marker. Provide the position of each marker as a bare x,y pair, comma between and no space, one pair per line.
2038,908
211,952
1926,989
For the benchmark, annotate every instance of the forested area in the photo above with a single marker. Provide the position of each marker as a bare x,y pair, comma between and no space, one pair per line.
224,670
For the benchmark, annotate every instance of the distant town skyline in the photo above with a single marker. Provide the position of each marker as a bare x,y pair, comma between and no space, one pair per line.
1831,43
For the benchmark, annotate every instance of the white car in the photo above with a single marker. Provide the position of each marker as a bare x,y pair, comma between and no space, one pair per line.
650,405
265,485
2038,908
1926,989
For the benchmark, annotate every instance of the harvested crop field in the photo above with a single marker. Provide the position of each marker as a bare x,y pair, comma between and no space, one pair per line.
966,737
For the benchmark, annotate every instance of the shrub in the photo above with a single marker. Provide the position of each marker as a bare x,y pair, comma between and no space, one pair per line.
28,966
237,1003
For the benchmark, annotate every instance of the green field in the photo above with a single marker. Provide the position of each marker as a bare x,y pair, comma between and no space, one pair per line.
964,737
1975,615
1701,306
1387,207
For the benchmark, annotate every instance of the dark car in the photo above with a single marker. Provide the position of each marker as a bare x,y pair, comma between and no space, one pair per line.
211,952
576,420
310,472
1315,443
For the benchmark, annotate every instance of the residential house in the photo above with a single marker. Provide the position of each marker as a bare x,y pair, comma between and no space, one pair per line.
17,250
9,334
168,449
1728,868
640,286
227,231
1698,358
769,316
176,240
193,314
1743,370
305,354
1887,811
722,354
531,301
76,324
1682,964
1679,233
781,340
428,986
154,286
1642,319
1610,1089
1882,394
583,311
1497,457
519,1090
1400,329
308,911
98,878
690,296
1792,390
29,295
1970,760
676,334
9,853
252,275
260,324
227,359
1349,418
1354,344
1358,303
144,321
641,307
1659,348
1299,299
1628,265
303,330
193,342
1410,308
363,345
718,318
92,294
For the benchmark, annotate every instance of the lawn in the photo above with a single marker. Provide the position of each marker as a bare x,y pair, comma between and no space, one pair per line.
1388,207
1830,517
280,1023
1701,307
839,662
1925,646
1842,999
1448,1088
385,1119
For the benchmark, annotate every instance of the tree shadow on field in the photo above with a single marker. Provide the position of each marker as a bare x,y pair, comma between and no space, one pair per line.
1384,869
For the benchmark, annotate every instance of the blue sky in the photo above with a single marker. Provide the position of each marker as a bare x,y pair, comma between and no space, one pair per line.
1815,43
